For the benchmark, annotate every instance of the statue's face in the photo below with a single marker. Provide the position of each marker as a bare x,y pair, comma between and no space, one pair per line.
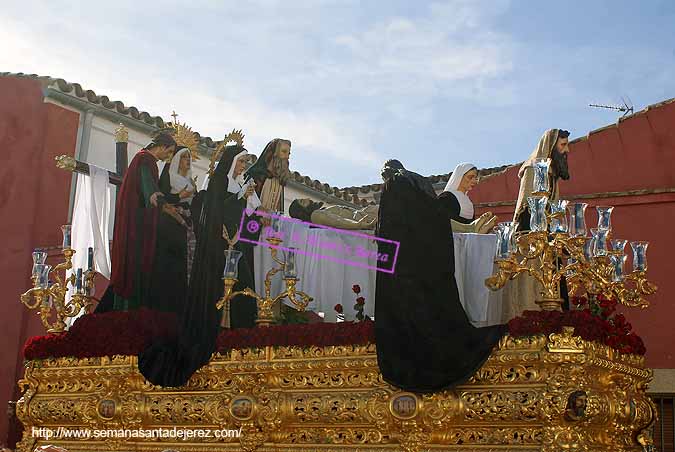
305,202
184,164
561,145
165,152
284,150
469,180
239,166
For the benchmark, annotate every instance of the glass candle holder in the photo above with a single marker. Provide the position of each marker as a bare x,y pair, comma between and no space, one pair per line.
39,258
231,269
605,217
639,256
290,268
589,245
558,216
618,261
538,212
541,167
275,220
66,229
577,224
42,271
504,232
619,245
600,241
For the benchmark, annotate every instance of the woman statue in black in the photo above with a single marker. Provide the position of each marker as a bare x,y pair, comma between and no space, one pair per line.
425,342
172,363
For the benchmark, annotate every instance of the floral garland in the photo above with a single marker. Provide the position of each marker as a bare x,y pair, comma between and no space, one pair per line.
593,320
129,333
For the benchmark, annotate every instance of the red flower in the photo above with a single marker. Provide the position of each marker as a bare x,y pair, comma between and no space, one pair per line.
360,301
338,308
356,288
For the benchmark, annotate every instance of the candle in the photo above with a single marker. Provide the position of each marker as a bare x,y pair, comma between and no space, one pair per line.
78,281
90,259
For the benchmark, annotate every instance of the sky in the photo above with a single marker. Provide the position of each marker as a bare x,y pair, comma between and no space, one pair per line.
354,83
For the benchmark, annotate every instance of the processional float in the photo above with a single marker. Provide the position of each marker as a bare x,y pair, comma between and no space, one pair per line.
544,392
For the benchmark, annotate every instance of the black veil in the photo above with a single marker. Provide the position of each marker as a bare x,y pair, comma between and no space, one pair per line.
171,363
425,341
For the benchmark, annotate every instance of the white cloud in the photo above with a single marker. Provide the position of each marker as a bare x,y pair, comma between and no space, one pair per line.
273,69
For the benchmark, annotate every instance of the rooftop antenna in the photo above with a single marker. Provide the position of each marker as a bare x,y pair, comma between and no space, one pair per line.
626,108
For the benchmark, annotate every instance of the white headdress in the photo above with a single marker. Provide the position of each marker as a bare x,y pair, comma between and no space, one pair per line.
465,204
178,181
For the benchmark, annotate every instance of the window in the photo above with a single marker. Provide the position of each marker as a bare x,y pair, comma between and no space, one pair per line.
664,427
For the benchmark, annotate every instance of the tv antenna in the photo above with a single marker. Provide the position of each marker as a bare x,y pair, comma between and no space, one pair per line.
626,108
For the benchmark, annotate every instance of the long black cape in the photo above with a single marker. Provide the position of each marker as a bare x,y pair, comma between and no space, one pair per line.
425,342
171,363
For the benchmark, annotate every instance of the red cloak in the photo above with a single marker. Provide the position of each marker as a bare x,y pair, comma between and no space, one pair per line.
127,233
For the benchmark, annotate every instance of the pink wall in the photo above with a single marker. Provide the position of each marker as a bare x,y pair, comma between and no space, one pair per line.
33,205
637,154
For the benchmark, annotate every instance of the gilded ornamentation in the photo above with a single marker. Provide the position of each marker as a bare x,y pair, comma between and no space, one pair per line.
50,299
539,254
184,136
65,162
236,137
121,134
265,303
539,393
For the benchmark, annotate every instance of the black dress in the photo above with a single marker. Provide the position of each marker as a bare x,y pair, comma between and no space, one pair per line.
425,342
451,205
172,363
169,279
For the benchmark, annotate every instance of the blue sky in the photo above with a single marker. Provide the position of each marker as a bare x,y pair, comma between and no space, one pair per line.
355,83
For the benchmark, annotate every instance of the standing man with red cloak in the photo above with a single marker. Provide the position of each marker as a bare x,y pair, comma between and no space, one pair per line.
139,204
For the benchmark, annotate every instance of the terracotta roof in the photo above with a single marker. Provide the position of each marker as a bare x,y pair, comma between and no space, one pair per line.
489,172
76,90
349,194
435,179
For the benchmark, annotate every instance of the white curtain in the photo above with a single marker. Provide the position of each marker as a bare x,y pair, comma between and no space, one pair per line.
91,218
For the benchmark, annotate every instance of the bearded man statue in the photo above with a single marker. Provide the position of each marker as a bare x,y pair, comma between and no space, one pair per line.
271,173
524,290
554,145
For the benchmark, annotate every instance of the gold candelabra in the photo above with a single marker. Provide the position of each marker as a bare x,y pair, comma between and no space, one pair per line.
266,303
541,254
50,299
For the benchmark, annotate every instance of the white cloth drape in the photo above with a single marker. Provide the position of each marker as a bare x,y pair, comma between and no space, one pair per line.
474,257
91,218
330,282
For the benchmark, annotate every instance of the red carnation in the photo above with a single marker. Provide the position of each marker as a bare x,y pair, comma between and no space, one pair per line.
356,288
338,308
360,300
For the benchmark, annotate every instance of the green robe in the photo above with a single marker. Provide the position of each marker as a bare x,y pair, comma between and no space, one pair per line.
141,285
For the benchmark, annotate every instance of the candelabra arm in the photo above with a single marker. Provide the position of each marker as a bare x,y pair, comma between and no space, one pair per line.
273,253
306,299
33,293
279,297
268,281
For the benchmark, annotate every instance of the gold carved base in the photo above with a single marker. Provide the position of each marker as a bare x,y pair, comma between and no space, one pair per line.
550,304
556,393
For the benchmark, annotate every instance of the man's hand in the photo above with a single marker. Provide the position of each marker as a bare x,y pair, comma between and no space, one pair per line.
185,193
249,191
